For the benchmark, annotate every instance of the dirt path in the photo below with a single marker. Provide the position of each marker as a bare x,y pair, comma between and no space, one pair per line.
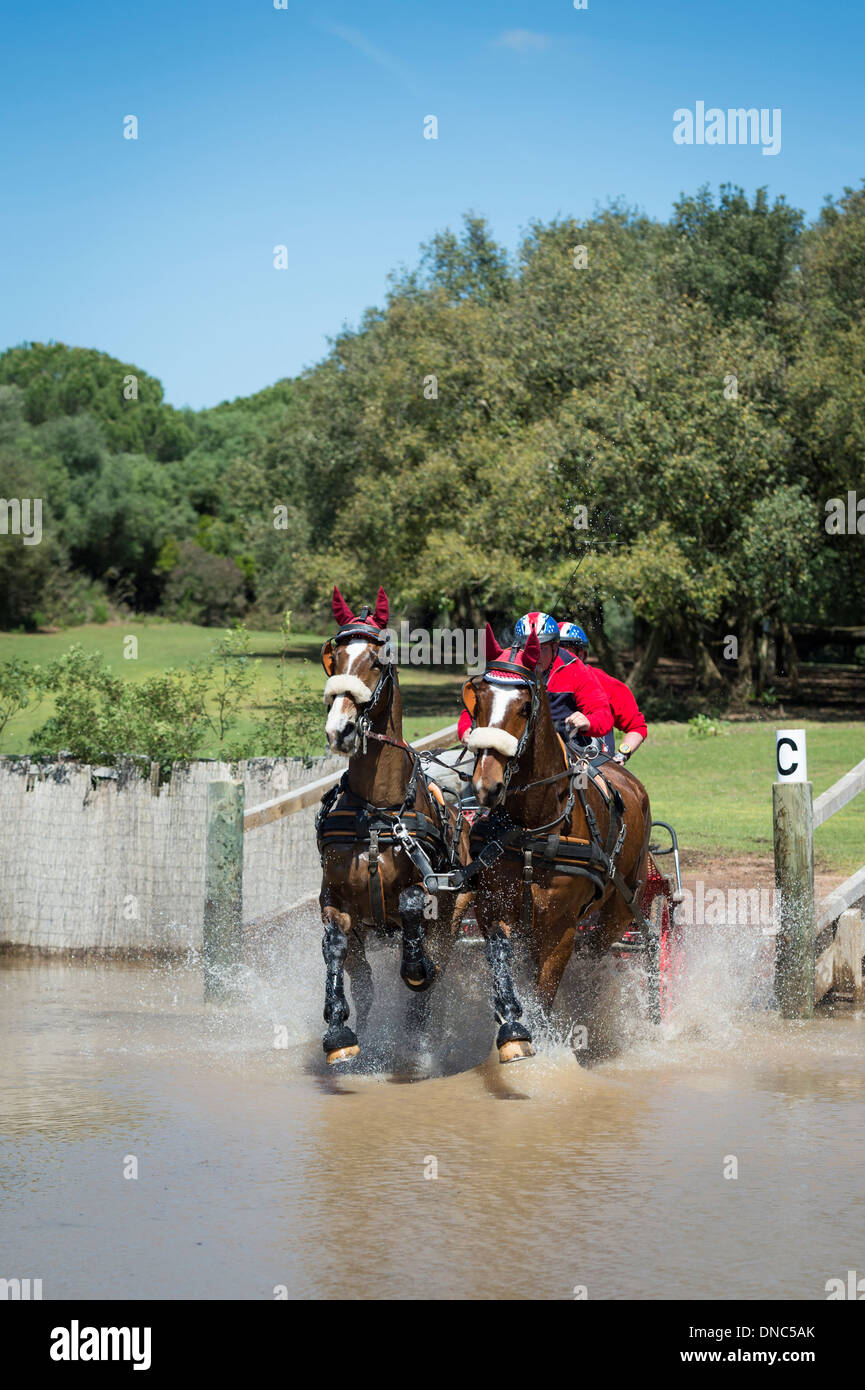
735,871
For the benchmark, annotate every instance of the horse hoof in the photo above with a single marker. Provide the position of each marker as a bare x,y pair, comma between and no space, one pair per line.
515,1051
425,982
341,1054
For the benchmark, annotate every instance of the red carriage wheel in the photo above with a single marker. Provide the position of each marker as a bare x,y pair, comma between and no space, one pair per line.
663,957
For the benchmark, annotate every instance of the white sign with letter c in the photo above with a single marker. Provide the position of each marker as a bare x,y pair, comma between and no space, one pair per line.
791,763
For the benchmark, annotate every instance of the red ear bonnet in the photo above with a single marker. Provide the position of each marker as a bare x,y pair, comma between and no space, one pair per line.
341,610
492,650
382,609
531,651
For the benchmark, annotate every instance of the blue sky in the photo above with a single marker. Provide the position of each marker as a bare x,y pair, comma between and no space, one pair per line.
304,127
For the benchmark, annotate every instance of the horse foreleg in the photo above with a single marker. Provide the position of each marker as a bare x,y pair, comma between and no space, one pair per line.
416,969
513,1040
359,972
551,968
615,918
339,1041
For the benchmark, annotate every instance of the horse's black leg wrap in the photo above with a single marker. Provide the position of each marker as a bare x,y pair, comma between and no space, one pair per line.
416,969
507,1005
333,947
359,973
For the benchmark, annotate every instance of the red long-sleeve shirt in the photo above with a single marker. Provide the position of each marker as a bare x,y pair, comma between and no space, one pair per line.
626,712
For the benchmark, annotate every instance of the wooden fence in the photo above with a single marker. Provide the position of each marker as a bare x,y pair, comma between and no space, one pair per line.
807,965
227,823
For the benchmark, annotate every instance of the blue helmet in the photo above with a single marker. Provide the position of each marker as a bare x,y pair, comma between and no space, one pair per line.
545,626
573,634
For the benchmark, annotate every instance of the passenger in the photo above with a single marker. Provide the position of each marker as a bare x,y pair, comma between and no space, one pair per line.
626,712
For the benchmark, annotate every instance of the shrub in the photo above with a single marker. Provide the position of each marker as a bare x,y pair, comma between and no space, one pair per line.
18,683
203,588
165,718
707,726
660,706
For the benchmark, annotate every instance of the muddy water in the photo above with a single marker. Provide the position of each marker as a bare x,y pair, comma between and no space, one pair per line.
256,1168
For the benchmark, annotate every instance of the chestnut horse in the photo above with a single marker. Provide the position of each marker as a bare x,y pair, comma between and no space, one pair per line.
573,840
381,831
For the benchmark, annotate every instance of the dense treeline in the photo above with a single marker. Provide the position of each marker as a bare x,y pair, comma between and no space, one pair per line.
676,403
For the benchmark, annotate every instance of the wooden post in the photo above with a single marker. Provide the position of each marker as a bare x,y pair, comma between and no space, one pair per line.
223,890
794,878
849,950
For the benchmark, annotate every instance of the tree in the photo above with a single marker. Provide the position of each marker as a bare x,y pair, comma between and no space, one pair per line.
734,255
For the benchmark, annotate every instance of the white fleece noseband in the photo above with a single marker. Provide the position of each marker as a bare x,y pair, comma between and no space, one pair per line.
499,739
347,685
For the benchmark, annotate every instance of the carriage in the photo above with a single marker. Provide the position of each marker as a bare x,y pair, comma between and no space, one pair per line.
660,943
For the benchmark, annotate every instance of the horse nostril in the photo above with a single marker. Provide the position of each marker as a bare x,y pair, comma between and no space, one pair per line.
488,796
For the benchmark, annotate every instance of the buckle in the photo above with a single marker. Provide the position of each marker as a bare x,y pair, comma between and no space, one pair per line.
443,883
402,834
487,855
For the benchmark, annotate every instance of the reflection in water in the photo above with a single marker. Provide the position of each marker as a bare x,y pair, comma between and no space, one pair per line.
257,1167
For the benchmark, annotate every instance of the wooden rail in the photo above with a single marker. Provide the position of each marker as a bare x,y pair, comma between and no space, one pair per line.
842,897
844,790
299,800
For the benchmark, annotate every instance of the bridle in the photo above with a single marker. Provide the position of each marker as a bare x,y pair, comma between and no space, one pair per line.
358,628
508,674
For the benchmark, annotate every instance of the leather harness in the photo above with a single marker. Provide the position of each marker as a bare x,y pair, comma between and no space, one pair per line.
545,846
346,818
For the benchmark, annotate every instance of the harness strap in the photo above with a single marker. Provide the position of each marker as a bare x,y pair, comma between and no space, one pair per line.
380,828
451,767
376,889
527,904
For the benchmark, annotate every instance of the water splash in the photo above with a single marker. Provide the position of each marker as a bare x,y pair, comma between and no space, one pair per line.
601,1015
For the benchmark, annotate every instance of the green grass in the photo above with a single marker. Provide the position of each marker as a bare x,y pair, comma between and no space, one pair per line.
159,644
716,791
429,697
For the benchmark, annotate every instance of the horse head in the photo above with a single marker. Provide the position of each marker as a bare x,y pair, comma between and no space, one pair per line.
357,662
503,703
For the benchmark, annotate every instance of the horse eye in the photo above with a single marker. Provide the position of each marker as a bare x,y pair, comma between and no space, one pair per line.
527,708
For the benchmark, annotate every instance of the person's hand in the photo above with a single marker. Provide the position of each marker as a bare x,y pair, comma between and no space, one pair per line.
577,721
